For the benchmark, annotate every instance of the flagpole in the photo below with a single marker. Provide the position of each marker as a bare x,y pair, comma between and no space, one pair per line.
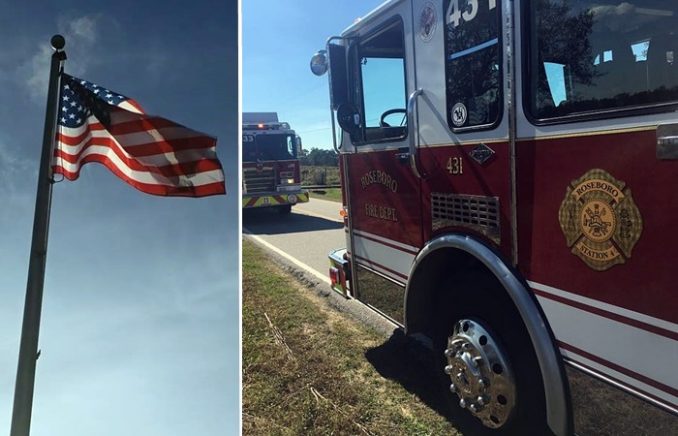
28,350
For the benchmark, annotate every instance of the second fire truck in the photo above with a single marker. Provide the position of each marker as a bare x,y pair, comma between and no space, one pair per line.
271,174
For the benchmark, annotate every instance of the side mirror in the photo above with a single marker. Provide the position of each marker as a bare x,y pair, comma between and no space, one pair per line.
339,89
348,118
319,63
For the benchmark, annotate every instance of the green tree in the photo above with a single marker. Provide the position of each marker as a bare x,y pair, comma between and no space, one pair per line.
319,157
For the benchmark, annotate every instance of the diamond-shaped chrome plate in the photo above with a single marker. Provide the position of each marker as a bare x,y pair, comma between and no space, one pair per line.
481,153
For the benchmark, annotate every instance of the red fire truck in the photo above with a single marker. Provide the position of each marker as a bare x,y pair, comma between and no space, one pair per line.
271,175
510,173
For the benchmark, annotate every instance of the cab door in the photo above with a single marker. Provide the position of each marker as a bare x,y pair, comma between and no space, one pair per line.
384,192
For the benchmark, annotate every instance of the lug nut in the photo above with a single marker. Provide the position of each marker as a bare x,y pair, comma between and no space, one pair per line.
477,361
473,408
449,369
482,383
481,401
462,403
449,352
453,388
466,346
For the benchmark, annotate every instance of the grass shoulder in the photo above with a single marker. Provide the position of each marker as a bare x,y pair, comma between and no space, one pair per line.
331,194
306,368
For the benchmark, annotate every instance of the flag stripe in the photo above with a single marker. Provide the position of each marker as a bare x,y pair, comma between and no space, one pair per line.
201,143
141,144
71,154
141,124
131,127
158,165
164,135
215,188
131,105
181,180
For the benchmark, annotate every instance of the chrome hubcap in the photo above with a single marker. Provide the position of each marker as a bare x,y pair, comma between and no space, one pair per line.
480,373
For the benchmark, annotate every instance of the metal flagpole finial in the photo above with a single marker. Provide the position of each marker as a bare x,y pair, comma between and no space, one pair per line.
58,42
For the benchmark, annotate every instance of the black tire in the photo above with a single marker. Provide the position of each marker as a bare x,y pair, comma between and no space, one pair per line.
285,210
479,296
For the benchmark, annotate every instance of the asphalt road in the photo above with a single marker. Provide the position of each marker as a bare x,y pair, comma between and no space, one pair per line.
306,235
300,242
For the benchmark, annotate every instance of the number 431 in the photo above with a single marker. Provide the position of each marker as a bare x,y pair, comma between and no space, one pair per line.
455,14
455,166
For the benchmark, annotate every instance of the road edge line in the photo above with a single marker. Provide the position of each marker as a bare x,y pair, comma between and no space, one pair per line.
317,215
323,278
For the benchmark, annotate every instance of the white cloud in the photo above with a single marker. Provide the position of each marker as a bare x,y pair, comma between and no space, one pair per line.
83,28
38,73
81,34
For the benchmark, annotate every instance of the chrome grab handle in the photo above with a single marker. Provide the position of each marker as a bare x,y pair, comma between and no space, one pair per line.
411,129
667,141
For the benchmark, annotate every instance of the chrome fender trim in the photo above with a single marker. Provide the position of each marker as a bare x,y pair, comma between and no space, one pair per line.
540,334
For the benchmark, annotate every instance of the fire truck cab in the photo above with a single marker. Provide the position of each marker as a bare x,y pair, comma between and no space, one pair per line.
509,175
271,175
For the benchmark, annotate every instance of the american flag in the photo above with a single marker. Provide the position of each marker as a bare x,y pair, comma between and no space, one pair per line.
155,155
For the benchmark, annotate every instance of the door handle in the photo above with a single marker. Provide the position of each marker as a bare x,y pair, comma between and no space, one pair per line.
667,142
403,155
412,129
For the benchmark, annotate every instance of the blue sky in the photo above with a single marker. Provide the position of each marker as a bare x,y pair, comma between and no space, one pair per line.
139,329
278,41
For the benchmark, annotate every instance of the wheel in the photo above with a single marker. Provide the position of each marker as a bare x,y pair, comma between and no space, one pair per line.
383,123
486,363
286,209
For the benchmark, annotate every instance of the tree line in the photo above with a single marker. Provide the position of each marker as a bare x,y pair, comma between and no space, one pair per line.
319,157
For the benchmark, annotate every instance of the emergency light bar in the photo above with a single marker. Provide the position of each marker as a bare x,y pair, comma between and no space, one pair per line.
266,126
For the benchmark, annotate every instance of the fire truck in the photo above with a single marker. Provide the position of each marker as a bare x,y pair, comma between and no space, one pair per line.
271,174
509,177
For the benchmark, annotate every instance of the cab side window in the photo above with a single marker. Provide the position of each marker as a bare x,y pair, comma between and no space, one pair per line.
588,58
382,96
291,147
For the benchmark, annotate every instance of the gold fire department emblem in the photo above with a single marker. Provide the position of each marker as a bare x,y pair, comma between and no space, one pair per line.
600,220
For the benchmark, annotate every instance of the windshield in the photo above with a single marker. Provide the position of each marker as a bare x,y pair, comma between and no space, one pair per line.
268,147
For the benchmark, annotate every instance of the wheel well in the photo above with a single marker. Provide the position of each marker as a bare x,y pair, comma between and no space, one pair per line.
427,282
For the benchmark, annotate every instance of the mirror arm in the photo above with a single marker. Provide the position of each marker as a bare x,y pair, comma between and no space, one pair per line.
411,129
